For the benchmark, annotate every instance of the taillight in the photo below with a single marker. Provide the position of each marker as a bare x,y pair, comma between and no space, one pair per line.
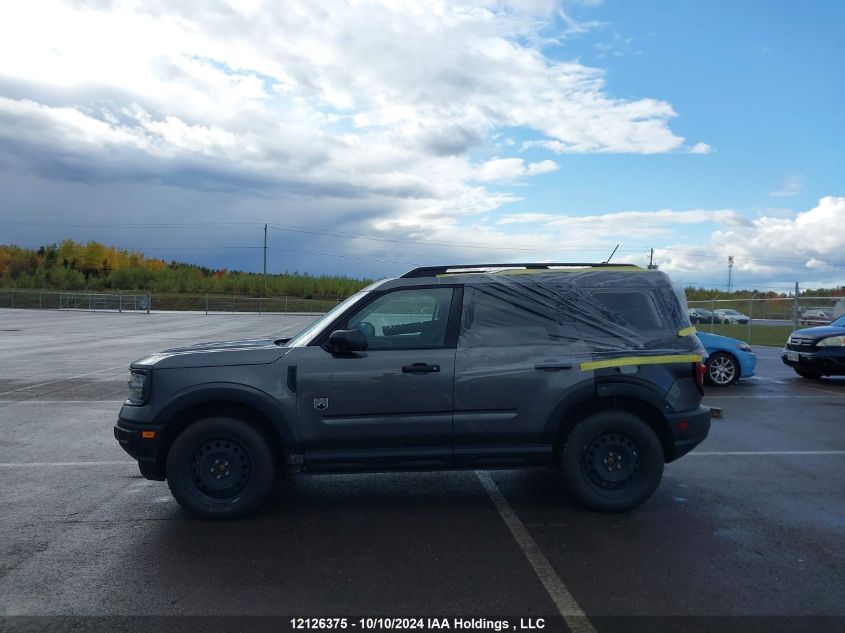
699,369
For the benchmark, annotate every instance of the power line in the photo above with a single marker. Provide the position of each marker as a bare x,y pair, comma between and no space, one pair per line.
478,245
369,259
133,225
694,251
327,232
699,252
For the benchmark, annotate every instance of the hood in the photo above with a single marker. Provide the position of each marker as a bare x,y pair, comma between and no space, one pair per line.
217,354
714,340
820,332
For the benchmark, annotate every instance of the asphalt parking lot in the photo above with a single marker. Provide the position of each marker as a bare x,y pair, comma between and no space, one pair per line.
752,523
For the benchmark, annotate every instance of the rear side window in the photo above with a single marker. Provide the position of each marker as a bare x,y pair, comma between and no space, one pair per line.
635,307
606,312
501,320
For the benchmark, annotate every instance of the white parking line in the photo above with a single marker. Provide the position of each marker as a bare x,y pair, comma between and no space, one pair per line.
835,393
573,615
291,325
760,453
762,396
52,382
49,464
111,403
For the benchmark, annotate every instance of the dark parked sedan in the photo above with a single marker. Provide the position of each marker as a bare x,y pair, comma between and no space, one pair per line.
817,351
702,315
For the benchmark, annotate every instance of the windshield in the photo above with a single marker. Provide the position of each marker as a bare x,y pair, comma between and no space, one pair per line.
305,336
840,322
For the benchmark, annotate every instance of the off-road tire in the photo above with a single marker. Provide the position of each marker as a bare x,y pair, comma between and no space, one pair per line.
629,443
220,468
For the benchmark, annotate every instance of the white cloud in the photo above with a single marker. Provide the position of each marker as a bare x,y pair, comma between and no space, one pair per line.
700,148
768,249
511,169
372,100
791,186
525,218
772,247
818,264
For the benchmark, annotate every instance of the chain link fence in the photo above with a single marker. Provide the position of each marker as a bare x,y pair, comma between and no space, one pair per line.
162,302
759,321
764,321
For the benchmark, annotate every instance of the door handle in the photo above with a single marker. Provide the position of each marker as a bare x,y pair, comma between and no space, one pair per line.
420,368
552,366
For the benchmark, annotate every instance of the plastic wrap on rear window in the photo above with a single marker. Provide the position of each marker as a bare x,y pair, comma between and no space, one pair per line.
602,313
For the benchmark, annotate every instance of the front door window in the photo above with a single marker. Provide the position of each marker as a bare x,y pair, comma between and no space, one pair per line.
405,319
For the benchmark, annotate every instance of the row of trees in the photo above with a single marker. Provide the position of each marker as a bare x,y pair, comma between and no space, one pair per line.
71,265
706,294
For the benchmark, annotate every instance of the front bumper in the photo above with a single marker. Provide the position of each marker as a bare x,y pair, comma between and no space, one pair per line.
143,442
685,439
747,364
830,361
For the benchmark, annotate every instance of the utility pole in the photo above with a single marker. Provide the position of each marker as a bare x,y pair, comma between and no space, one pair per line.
651,265
265,261
730,271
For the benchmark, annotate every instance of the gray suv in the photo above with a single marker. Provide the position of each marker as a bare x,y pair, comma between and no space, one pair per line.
592,368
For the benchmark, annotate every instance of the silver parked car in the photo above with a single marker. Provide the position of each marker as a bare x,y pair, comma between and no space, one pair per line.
816,317
729,316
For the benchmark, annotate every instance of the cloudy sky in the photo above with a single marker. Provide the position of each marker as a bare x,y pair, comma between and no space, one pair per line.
375,136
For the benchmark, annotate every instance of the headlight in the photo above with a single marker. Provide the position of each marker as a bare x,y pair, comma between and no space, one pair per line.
745,347
832,341
139,382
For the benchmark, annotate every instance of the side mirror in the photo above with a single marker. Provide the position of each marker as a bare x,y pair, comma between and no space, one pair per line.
345,341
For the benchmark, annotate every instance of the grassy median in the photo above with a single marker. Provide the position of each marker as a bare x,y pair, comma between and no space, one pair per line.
772,335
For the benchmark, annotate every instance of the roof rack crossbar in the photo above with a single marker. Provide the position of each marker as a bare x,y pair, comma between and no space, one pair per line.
433,271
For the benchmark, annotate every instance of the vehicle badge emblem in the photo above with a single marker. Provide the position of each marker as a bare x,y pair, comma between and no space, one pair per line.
321,404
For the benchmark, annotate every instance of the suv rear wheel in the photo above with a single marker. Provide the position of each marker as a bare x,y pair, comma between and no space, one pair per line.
220,468
612,461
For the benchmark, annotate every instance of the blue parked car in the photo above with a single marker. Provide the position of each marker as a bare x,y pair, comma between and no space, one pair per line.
728,359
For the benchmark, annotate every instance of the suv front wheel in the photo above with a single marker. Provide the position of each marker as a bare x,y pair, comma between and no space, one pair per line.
220,468
612,461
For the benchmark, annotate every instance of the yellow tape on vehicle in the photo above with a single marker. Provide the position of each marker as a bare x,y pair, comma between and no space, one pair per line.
687,331
640,360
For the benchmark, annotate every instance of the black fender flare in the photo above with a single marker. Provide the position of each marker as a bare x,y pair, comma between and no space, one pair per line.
601,395
235,393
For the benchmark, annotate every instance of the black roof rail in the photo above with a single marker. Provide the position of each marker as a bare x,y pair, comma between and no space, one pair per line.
433,271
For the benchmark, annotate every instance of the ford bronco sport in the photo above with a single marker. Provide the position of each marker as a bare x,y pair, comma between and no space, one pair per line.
590,367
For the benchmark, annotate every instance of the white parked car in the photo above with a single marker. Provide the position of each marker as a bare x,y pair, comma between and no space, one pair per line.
728,316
